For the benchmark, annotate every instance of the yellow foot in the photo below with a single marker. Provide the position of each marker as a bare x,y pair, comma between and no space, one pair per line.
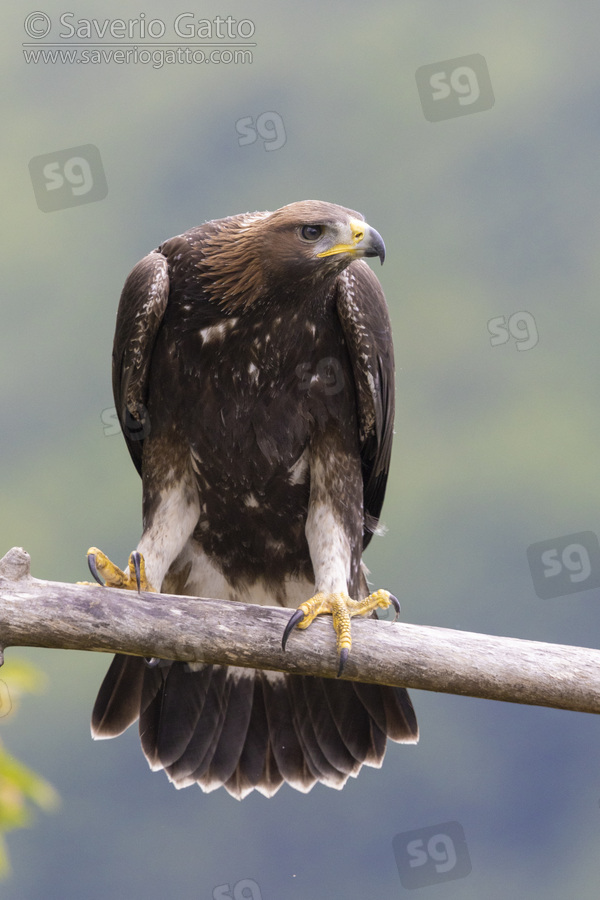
134,579
341,608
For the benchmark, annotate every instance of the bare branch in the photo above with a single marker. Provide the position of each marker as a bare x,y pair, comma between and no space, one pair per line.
37,613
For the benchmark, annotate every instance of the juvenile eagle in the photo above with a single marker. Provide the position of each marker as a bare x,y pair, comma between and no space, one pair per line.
253,378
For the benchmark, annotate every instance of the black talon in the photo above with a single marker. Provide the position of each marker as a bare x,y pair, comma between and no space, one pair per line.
92,567
294,619
136,564
344,653
396,604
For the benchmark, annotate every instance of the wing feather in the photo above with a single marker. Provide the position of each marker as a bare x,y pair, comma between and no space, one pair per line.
141,309
364,316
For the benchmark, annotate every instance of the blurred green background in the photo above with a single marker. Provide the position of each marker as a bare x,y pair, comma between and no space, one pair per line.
484,215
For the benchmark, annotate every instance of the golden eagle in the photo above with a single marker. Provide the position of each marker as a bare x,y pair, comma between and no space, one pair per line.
253,378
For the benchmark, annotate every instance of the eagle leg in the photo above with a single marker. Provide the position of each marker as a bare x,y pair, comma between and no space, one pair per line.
341,608
134,579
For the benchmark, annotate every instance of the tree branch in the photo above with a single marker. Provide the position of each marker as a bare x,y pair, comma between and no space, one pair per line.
35,613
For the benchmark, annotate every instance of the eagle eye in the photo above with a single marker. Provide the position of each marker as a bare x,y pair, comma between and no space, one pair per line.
311,232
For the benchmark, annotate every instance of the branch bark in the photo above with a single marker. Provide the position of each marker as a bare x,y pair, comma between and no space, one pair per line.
35,613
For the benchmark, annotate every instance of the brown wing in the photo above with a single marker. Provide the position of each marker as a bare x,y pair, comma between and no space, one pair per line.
141,309
365,320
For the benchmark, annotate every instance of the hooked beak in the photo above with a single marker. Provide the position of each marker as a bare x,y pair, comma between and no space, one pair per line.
360,240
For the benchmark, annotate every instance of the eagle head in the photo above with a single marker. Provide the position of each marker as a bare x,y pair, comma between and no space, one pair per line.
262,255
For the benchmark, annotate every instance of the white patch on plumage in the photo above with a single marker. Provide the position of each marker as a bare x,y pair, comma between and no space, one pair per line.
329,548
174,520
218,332
251,500
290,594
299,471
275,544
249,219
206,580
236,673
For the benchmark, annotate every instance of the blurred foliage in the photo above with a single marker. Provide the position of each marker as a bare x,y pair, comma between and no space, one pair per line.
20,786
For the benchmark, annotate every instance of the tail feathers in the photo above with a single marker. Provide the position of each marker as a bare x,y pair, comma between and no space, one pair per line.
327,756
257,767
248,729
118,702
389,711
